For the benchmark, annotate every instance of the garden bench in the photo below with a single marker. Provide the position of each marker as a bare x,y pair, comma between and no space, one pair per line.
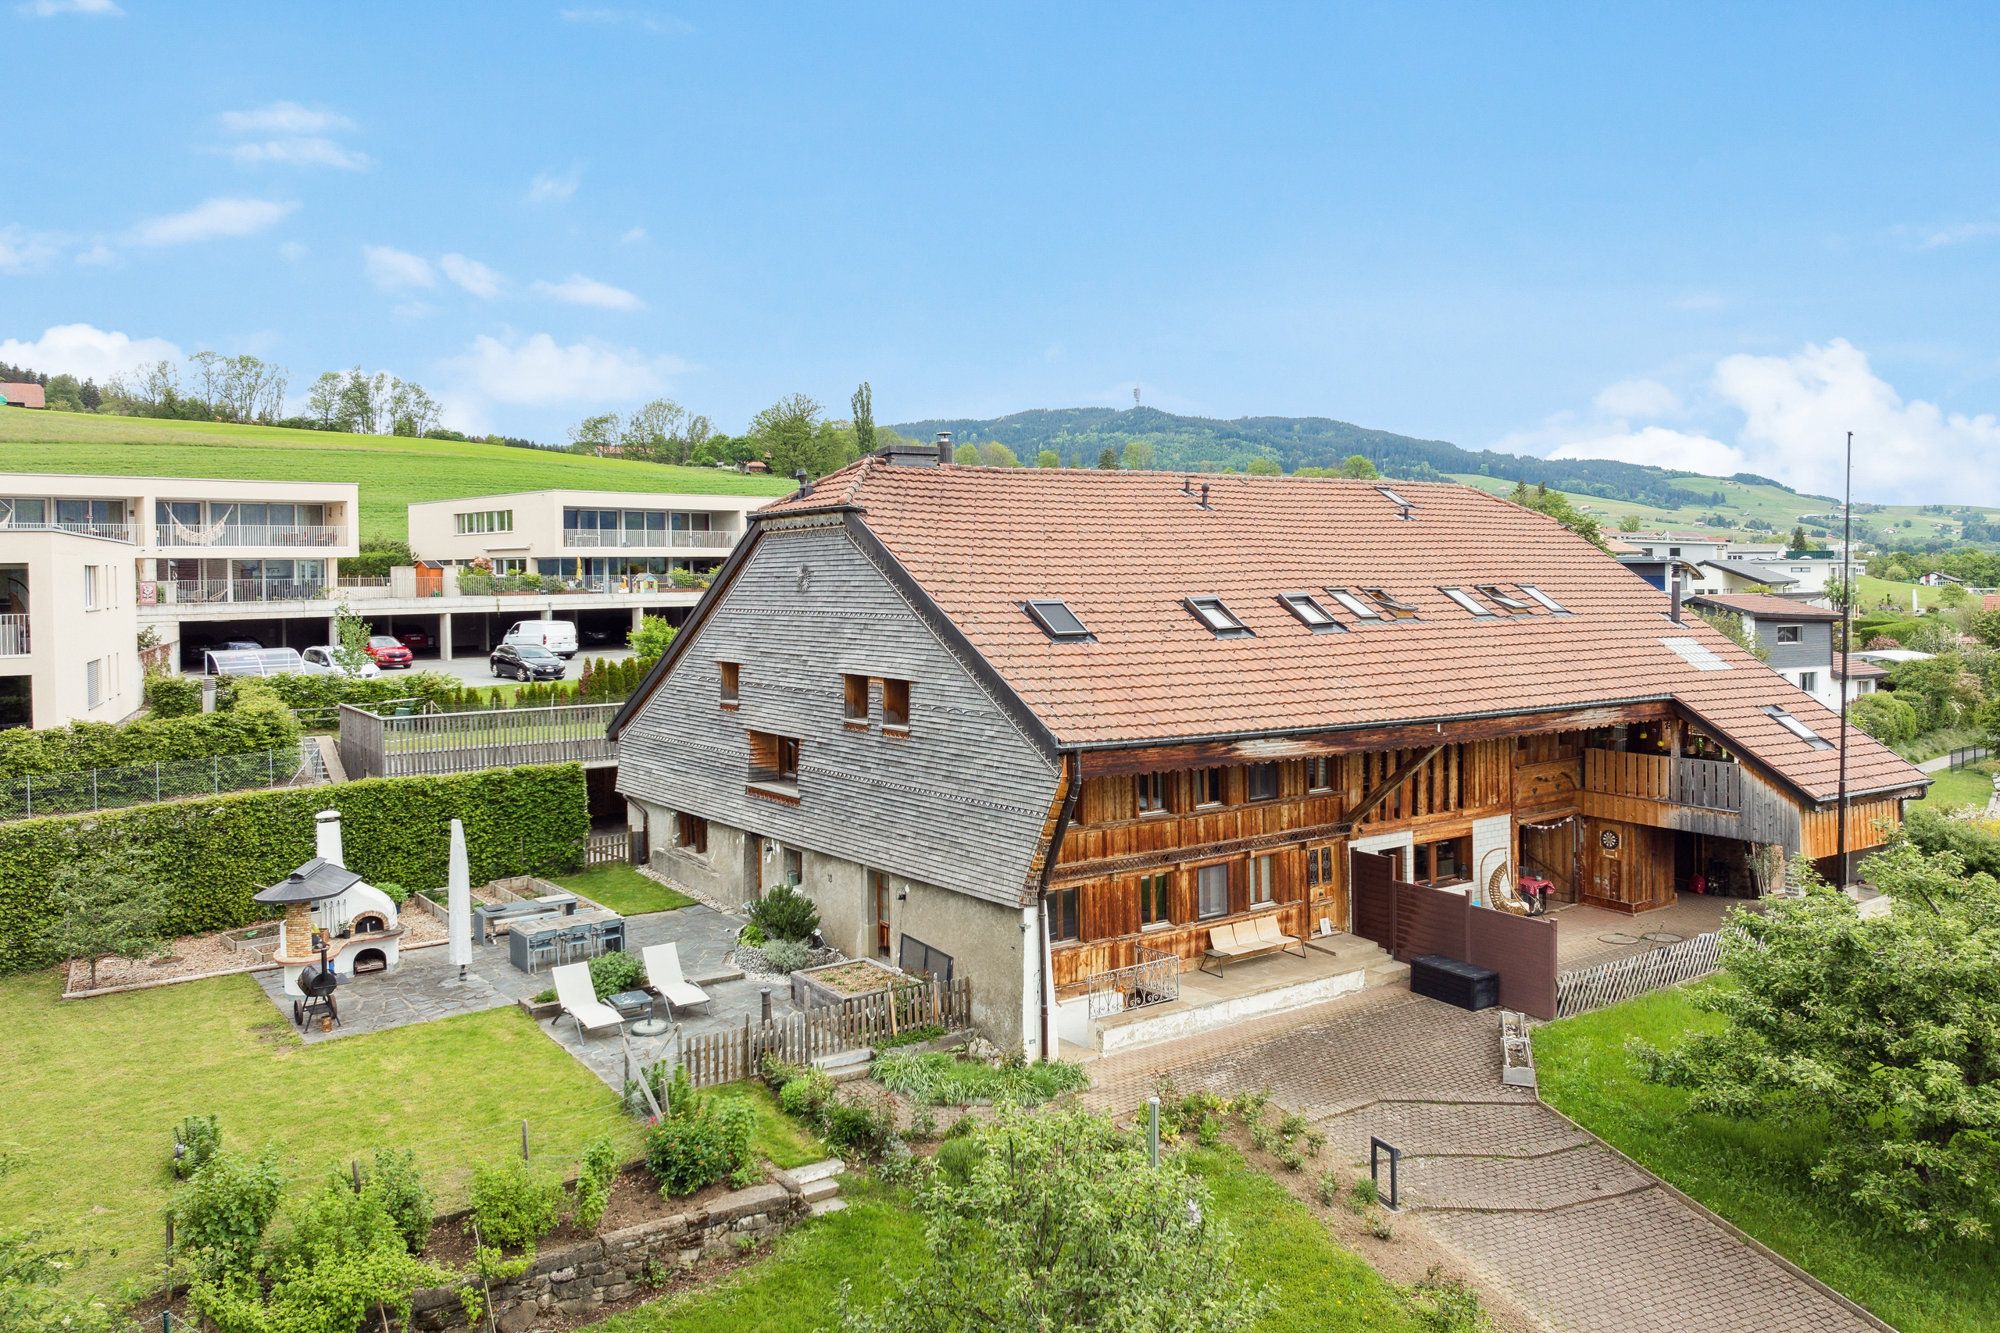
1247,939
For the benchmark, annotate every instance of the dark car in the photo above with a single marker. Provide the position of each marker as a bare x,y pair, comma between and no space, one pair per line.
387,651
526,661
417,640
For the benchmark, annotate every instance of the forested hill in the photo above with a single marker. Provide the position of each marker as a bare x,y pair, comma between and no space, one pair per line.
1080,435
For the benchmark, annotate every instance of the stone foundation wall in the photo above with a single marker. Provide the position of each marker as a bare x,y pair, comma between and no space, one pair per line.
580,1278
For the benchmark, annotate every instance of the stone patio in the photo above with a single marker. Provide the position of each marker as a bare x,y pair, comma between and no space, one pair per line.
425,986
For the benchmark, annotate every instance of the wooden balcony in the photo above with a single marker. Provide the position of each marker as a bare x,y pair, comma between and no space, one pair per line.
1702,784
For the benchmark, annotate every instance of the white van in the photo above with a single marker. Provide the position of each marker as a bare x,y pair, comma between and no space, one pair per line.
558,636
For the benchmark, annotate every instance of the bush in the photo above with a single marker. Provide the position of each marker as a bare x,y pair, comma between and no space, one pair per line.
225,1209
514,1204
397,893
1975,842
257,721
807,1095
395,1181
595,1172
750,936
855,1126
940,1078
698,1140
613,972
784,914
173,696
195,1141
1888,719
214,852
959,1153
786,956
31,1294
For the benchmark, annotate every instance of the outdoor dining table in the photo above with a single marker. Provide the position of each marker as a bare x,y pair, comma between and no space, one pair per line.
582,934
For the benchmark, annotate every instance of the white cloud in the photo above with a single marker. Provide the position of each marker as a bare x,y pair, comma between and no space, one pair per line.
633,235
579,290
99,255
601,16
291,252
550,188
305,151
1637,398
22,251
50,8
395,270
538,371
1657,446
284,118
472,275
87,352
212,220
1936,238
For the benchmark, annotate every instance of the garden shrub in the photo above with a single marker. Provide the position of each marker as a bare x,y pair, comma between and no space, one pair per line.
513,1203
225,1208
394,1179
698,1140
397,893
173,696
213,853
595,1172
31,1292
1441,1303
613,972
786,956
807,1095
958,1154
784,914
257,721
195,1140
858,1126
750,936
1975,842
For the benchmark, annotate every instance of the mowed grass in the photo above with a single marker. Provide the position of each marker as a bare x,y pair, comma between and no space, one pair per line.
95,1087
624,890
1963,786
778,1138
1871,592
1753,1174
392,472
1315,1283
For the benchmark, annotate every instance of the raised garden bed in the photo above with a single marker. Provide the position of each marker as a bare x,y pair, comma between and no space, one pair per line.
258,939
816,987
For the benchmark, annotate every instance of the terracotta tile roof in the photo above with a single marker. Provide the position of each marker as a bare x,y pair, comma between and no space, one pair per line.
23,395
1764,606
1859,671
1124,549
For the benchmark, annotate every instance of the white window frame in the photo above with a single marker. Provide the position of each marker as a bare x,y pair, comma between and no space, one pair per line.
1310,613
1467,601
1360,609
1542,597
1216,615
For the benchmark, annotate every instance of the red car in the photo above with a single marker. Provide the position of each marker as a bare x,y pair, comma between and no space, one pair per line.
387,651
416,640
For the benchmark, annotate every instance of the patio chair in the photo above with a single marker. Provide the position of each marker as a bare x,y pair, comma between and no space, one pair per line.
663,970
579,1000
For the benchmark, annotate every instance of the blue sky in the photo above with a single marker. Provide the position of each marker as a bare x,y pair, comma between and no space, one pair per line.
1681,234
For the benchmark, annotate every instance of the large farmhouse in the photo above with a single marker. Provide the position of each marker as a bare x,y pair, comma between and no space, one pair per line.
1036,726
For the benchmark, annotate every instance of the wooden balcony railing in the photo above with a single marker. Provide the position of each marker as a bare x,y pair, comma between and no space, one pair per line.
1706,784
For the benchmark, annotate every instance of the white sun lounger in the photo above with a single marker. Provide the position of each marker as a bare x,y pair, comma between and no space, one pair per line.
663,970
578,999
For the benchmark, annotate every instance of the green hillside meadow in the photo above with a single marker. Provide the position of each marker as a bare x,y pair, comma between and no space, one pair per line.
393,472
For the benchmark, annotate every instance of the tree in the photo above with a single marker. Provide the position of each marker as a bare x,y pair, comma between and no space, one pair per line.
109,903
649,642
354,410
1263,465
1137,456
410,411
1048,458
1108,459
662,431
863,404
1882,1030
1882,715
350,640
1360,468
1629,523
593,433
788,435
323,399
995,454
1730,626
1055,1220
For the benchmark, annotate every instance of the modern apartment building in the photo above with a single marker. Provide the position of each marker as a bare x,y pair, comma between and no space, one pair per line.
68,627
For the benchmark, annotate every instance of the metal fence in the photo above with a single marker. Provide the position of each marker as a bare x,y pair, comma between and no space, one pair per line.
86,790
1154,977
14,634
725,1057
374,746
1624,978
1970,754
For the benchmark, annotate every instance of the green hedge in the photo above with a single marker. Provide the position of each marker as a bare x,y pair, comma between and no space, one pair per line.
173,696
216,852
255,722
299,690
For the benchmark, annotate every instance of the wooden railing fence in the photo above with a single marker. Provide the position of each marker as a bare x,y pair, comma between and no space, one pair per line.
1707,784
372,746
1624,978
613,847
725,1057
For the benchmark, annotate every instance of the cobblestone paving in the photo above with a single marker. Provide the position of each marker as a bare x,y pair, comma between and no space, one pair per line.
1579,1237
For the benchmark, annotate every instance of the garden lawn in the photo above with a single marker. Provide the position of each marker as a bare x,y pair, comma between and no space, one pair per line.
624,890
1316,1283
1756,1176
95,1087
1962,786
394,472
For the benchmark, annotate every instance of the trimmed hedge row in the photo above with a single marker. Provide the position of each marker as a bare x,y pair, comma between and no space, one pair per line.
215,852
300,690
255,722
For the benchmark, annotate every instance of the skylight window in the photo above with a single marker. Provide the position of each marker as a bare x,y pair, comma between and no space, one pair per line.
1797,728
1542,597
1395,500
1466,600
1505,601
1309,611
1057,620
1695,653
1360,609
1211,612
1398,610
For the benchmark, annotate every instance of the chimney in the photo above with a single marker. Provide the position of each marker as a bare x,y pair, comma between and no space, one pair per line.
326,837
805,483
1187,485
1674,591
908,453
1204,495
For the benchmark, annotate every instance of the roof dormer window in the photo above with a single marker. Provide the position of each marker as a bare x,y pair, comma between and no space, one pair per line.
1309,612
1056,619
1211,612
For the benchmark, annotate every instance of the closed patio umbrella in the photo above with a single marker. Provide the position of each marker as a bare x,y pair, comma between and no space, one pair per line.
458,905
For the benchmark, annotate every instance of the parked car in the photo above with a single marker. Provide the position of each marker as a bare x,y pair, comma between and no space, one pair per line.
388,651
418,640
558,636
601,634
526,661
324,661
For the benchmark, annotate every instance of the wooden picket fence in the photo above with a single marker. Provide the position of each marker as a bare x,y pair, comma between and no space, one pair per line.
1623,978
725,1057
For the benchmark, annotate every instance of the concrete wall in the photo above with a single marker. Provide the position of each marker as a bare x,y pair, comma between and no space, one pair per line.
68,631
537,530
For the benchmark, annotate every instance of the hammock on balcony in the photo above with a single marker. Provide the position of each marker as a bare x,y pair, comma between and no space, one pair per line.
187,536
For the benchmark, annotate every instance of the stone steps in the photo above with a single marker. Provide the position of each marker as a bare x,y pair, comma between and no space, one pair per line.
825,1188
825,1206
845,1066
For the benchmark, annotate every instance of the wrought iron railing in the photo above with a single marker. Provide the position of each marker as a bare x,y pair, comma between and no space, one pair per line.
250,534
713,539
1152,978
189,591
14,635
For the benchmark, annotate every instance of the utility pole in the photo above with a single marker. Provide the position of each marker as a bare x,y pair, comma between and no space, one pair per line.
1846,648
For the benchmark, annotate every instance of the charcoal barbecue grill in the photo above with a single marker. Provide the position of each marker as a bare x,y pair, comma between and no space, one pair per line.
318,982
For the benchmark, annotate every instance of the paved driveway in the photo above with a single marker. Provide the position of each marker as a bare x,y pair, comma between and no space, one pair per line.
1581,1239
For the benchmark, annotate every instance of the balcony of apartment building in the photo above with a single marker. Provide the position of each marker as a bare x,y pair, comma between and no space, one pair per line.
14,639
213,524
187,582
646,529
106,519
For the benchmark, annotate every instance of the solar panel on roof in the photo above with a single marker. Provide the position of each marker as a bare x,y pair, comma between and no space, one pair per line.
1696,654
